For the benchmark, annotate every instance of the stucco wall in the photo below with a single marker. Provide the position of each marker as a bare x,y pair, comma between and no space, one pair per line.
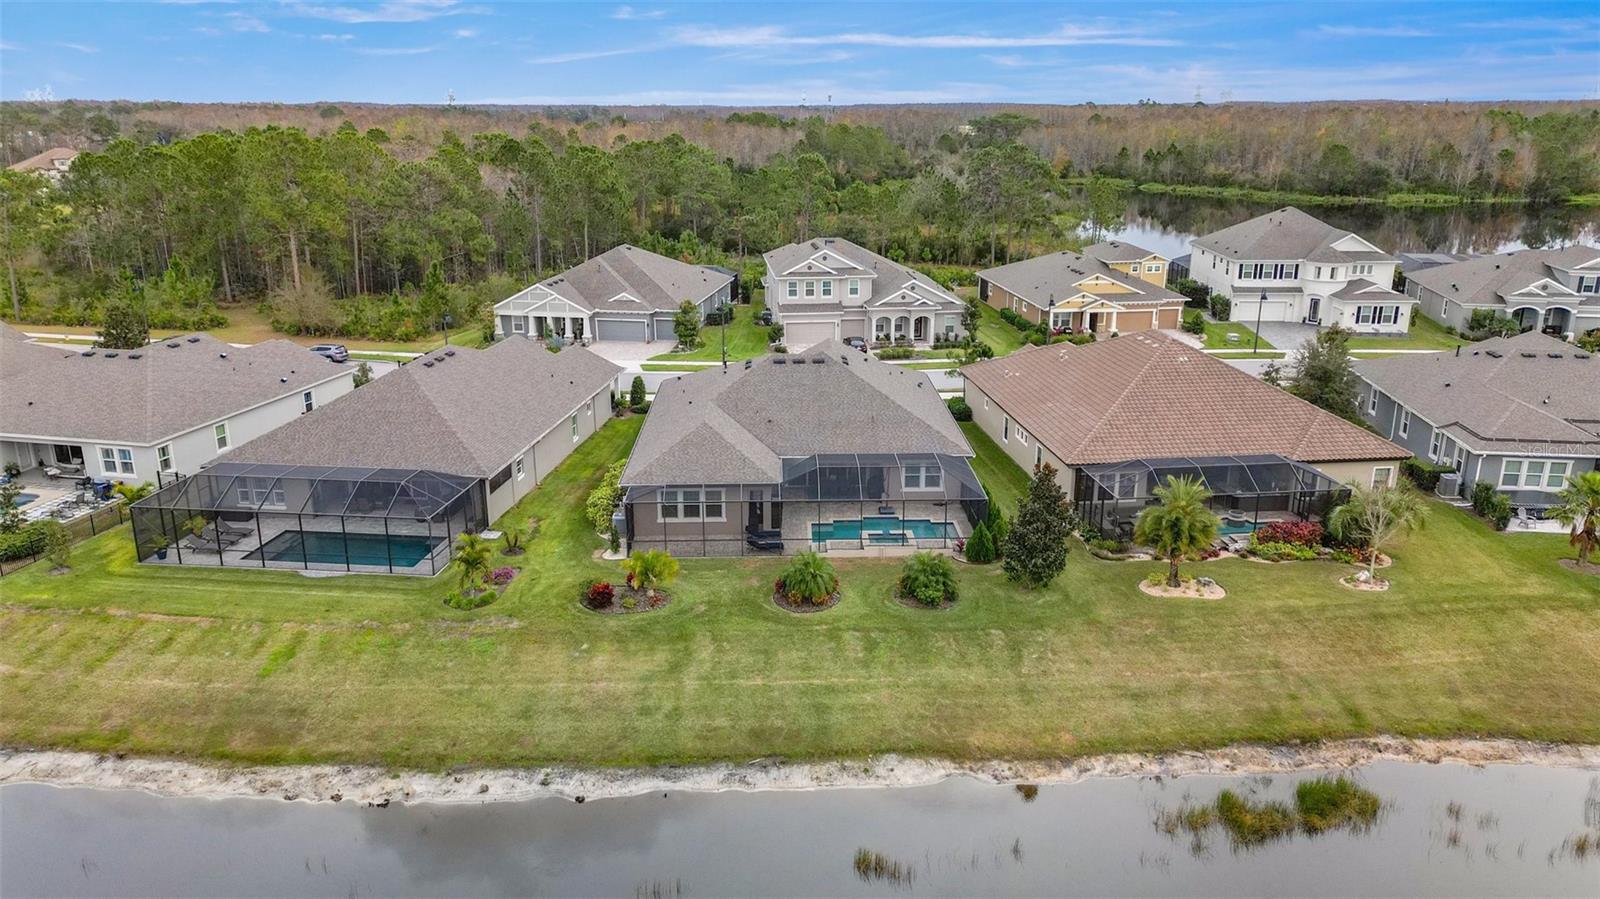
988,415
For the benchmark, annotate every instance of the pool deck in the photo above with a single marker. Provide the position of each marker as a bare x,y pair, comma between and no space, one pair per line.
239,555
799,517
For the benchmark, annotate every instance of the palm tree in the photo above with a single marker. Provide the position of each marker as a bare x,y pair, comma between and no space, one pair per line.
1180,525
651,569
472,554
1377,514
1580,511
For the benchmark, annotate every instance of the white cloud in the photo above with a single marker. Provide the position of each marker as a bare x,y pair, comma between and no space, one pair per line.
778,36
1373,31
8,47
393,51
627,12
466,32
81,48
239,21
387,11
582,55
813,92
336,37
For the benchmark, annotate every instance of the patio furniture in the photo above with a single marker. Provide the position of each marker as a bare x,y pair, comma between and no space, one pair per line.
233,530
886,510
202,544
1524,520
52,472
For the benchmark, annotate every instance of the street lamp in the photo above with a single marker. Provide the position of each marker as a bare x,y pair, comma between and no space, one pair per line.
1256,344
447,329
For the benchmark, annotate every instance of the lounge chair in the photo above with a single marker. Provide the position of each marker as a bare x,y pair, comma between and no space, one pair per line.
203,544
767,540
232,530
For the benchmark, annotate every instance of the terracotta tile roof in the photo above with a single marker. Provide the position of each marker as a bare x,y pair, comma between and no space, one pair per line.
1146,395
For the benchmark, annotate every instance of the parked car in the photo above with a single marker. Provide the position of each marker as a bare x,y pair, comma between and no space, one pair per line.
333,351
857,343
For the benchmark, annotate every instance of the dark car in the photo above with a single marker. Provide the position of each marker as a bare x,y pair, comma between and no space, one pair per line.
765,318
333,351
857,343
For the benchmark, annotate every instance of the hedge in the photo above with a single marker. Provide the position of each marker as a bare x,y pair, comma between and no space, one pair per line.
20,544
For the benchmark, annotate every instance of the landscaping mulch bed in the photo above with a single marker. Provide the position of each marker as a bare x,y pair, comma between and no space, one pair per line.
1189,589
781,600
1569,564
641,602
912,602
1376,585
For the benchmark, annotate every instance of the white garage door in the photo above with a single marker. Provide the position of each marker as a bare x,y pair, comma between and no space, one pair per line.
799,335
1244,310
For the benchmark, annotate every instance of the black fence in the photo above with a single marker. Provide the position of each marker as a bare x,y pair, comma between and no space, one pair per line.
81,528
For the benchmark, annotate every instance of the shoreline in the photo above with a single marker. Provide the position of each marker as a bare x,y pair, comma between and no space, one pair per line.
379,786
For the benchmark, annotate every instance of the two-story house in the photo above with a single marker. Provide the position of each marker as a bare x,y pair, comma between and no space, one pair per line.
625,293
1287,266
1520,413
1111,287
1556,291
829,288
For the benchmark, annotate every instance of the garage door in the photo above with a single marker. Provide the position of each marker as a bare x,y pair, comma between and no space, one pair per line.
1244,309
619,328
803,334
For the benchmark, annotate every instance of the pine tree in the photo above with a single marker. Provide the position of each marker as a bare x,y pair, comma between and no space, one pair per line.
1036,547
636,392
999,528
125,326
980,548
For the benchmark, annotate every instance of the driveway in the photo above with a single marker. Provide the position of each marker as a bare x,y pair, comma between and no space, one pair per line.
628,353
1286,336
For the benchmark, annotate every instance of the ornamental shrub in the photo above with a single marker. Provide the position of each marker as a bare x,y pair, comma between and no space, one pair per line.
502,575
599,594
896,352
636,391
809,578
1194,322
19,544
603,498
1221,306
928,578
1300,533
1282,552
980,546
1423,473
959,410
1491,504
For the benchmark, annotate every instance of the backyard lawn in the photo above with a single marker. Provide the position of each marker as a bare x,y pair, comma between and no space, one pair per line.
1217,336
746,339
999,334
1425,334
1483,634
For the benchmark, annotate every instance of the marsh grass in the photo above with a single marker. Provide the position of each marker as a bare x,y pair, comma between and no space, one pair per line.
1335,803
1252,823
875,866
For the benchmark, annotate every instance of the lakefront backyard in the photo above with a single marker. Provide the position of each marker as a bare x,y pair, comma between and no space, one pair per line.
1481,634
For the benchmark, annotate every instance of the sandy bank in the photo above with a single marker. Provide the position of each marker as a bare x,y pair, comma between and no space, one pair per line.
352,783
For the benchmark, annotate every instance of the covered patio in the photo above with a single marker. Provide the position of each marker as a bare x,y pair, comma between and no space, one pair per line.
308,517
1246,491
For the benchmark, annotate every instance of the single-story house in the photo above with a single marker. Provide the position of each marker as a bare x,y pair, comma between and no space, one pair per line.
1521,413
827,450
1110,287
625,293
1556,291
1115,417
384,479
832,289
148,414
51,163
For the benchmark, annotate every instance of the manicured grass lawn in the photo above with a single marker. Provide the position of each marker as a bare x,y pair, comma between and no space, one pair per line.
1246,354
670,366
997,332
746,339
246,324
1425,334
932,365
1004,478
1217,336
1483,634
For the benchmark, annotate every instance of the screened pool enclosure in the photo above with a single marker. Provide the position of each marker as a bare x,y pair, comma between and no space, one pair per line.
825,502
316,518
1246,491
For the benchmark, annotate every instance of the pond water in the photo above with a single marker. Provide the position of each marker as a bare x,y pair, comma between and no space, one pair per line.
1166,224
1444,830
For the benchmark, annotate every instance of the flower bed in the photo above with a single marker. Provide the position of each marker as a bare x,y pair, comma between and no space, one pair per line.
1188,588
613,599
1358,582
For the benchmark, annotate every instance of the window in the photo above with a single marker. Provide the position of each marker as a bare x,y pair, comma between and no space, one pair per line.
794,289
686,505
922,477
986,401
1372,402
1433,446
1388,315
1535,474
306,402
221,433
1038,456
1005,428
1022,436
116,460
1511,473
811,288
1364,315
518,467
853,287
573,423
1589,284
1127,485
1405,422
827,288
519,325
1316,271
164,457
264,495
1382,475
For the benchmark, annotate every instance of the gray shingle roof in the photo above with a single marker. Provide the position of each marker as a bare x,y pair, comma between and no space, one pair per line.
659,284
146,395
467,415
1486,280
1521,400
1370,292
735,426
1118,251
1051,276
1285,234
887,276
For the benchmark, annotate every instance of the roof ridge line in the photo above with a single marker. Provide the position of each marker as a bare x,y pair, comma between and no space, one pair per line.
1132,382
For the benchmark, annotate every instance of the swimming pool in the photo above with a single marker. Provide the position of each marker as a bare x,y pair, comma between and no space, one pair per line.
23,499
1236,527
882,529
328,548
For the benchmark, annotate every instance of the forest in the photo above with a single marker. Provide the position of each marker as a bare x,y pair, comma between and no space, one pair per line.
366,221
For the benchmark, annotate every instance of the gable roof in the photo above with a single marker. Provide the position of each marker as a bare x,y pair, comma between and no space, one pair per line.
1485,280
1529,393
1287,234
736,426
146,395
882,277
467,413
626,278
1109,251
47,161
1361,289
1051,277
1146,395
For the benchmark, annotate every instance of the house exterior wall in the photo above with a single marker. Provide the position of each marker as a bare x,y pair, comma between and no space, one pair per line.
1359,472
991,419
1000,298
547,452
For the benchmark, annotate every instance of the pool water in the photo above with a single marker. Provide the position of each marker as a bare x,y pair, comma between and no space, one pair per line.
884,530
1236,527
24,498
328,548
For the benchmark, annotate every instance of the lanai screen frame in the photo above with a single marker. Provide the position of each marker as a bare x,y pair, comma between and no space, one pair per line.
363,501
1252,483
960,493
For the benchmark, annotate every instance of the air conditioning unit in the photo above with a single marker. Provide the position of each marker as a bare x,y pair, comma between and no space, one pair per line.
1449,484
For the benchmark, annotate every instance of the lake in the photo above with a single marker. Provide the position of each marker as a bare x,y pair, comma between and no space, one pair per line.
1166,224
1444,830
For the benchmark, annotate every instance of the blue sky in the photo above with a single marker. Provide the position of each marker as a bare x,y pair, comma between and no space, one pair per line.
404,51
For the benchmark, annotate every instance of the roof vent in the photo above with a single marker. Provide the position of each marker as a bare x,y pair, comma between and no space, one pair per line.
449,352
222,355
1580,355
283,380
438,358
194,340
173,345
135,355
818,360
87,353
749,362
779,360
112,355
1527,355
1492,354
427,363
